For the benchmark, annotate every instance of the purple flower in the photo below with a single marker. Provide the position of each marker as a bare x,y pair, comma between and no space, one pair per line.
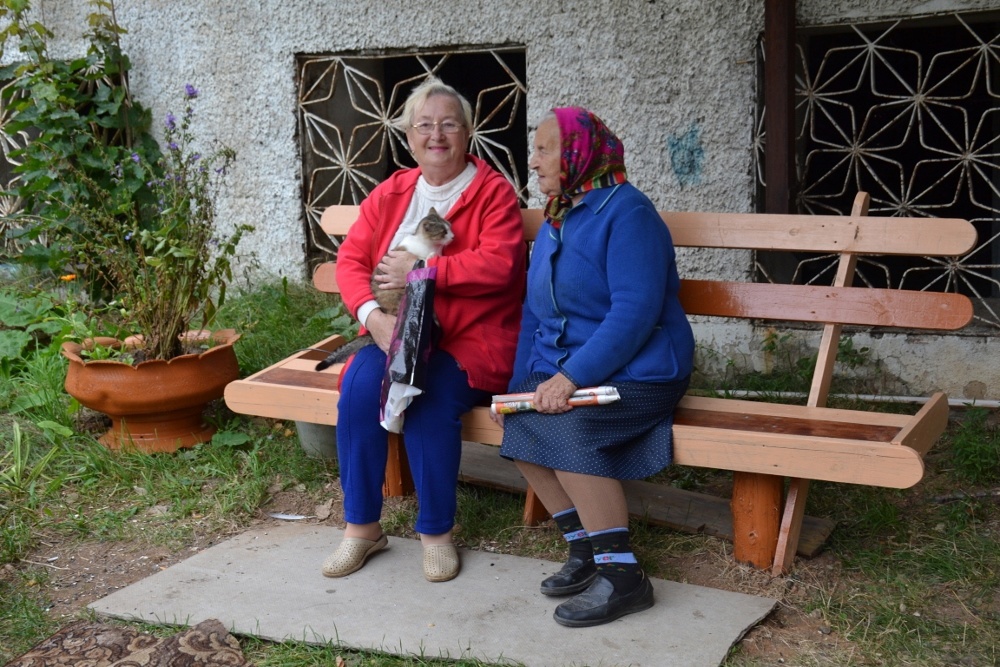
190,91
135,158
128,236
171,122
173,146
194,157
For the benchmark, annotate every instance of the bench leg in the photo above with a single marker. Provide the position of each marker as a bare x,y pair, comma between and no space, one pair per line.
791,526
756,507
398,481
534,511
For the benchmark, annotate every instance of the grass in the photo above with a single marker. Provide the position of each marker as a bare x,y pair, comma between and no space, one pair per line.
908,577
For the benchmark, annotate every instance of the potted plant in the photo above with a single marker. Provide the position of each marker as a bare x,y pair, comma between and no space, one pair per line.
133,226
169,266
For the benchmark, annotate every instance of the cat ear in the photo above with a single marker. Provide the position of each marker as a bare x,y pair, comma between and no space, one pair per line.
433,211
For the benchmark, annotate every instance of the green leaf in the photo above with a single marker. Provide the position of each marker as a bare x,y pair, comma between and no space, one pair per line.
230,439
55,427
12,343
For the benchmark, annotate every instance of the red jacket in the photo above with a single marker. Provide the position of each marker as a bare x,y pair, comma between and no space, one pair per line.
480,274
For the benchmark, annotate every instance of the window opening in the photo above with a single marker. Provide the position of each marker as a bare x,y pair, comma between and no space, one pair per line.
910,113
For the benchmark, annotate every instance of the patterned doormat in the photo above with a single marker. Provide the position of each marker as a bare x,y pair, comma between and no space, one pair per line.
207,644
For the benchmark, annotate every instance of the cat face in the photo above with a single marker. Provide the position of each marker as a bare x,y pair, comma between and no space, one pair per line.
435,229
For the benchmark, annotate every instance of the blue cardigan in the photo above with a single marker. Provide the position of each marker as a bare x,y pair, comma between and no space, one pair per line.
602,300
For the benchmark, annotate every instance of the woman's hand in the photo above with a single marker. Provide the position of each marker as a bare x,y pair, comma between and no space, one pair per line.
552,396
391,271
380,325
497,418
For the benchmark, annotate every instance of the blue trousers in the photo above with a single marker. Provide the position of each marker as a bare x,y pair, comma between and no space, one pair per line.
432,433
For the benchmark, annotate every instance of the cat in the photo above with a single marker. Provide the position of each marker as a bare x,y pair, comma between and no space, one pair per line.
432,234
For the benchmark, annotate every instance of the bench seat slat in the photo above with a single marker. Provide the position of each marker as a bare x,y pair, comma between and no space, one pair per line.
815,303
835,459
785,410
828,459
297,377
790,440
283,401
811,428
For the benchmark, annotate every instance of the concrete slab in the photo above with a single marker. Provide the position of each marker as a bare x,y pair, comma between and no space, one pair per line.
267,583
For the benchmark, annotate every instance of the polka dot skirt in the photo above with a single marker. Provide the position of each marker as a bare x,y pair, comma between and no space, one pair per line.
629,439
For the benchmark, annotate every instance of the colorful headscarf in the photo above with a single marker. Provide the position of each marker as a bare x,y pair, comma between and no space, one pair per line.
591,157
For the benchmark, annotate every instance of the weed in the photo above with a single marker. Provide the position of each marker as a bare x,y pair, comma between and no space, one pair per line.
975,448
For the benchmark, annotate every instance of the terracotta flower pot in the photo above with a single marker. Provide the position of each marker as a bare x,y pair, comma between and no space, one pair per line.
155,406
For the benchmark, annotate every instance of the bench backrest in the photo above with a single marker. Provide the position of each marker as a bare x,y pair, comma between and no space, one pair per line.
847,236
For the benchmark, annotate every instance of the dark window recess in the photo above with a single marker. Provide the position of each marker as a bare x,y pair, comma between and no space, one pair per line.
910,113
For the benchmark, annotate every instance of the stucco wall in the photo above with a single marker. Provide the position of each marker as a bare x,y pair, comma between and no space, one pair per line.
662,74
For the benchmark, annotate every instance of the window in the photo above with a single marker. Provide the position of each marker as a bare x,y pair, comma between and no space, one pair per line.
910,113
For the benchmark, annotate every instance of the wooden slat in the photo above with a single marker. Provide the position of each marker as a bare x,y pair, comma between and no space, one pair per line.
478,427
277,401
741,406
814,303
828,459
798,303
734,413
292,377
336,220
794,511
926,426
807,428
761,231
823,233
325,278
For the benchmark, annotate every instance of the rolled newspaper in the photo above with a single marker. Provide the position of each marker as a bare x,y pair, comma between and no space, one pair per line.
505,404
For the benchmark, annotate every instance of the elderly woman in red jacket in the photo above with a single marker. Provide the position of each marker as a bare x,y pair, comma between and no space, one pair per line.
480,282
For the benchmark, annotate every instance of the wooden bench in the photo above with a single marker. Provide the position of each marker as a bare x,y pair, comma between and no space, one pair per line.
774,450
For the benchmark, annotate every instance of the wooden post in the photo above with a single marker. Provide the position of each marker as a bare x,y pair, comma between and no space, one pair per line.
756,508
534,510
398,481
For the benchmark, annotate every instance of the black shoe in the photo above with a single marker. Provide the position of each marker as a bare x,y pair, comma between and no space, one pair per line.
602,604
574,577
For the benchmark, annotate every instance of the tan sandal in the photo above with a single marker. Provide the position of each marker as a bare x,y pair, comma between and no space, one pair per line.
351,555
441,562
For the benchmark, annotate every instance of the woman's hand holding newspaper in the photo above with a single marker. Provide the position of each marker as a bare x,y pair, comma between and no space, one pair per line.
505,404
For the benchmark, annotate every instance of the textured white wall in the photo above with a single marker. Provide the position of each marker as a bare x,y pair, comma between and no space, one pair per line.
660,73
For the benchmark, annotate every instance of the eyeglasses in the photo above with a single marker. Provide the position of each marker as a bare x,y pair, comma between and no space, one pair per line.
447,126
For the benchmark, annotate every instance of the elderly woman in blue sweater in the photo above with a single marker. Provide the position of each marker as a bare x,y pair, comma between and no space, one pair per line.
602,308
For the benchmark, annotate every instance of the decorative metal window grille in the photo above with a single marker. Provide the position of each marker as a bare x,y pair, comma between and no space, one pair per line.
910,113
347,104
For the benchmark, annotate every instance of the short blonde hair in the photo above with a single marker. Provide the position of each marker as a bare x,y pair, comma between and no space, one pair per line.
430,87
